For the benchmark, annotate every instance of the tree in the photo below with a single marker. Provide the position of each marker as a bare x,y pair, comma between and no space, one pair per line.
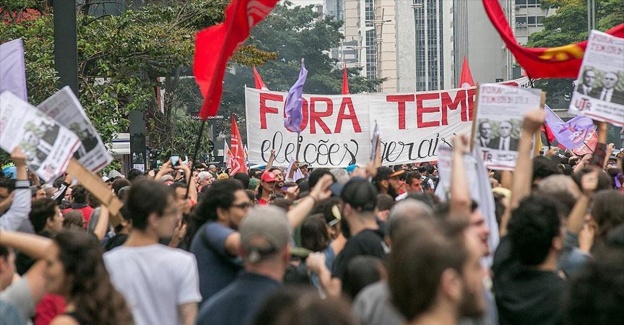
119,57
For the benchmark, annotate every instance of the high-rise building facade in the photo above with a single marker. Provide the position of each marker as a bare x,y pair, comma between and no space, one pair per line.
419,45
476,39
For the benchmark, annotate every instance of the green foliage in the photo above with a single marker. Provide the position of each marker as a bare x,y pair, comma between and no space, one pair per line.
120,58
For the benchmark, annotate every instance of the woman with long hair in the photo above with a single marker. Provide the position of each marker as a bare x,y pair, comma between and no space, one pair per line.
75,270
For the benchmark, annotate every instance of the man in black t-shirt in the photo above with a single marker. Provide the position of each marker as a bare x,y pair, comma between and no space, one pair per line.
358,220
527,286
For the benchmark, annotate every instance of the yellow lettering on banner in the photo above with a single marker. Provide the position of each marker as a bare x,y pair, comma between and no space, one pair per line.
562,53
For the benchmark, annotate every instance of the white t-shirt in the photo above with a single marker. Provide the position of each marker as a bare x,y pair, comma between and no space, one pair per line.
155,280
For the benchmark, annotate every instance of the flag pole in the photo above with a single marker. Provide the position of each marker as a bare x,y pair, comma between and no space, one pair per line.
543,125
299,139
197,145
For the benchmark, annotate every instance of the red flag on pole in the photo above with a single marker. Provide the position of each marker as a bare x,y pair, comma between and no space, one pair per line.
345,81
554,62
216,44
465,79
237,151
258,80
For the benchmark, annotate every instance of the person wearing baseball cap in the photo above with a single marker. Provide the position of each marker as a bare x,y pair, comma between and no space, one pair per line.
386,180
265,249
267,186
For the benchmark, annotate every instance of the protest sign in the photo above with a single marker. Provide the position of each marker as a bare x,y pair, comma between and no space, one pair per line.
48,145
336,130
13,68
499,113
478,185
65,108
599,92
96,186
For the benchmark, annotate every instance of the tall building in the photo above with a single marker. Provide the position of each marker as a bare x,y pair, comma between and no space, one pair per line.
409,43
527,17
334,8
476,39
371,24
419,45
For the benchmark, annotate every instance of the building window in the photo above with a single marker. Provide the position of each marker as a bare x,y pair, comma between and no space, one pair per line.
369,12
371,54
527,3
521,22
530,21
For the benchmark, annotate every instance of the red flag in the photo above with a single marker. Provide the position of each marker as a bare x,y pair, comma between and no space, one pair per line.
345,81
237,151
465,79
258,80
553,62
216,44
549,133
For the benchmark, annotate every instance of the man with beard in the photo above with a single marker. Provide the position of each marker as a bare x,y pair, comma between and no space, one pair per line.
435,274
386,181
216,244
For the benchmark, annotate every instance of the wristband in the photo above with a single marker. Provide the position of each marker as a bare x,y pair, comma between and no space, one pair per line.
22,184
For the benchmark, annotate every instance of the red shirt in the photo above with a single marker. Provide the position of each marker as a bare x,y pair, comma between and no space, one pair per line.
49,307
86,213
262,202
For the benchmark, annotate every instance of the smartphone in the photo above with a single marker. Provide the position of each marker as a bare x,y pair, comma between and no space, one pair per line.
175,160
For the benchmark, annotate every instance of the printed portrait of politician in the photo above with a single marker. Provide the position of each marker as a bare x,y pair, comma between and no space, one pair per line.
485,133
504,141
587,84
608,91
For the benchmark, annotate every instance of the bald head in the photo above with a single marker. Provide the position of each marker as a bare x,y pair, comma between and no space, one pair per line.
554,184
404,212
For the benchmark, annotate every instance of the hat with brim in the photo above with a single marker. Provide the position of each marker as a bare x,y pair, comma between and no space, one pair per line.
397,173
268,177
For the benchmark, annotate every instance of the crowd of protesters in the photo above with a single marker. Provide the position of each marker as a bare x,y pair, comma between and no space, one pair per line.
194,244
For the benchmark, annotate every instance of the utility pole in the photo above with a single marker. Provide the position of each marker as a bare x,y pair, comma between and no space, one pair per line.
65,43
591,15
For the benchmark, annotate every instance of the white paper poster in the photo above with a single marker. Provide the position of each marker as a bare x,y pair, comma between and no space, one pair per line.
65,108
599,90
48,145
500,112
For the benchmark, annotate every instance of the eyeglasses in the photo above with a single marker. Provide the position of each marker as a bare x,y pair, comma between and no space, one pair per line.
244,205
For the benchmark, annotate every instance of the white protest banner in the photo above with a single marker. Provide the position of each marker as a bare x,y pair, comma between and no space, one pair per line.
500,111
48,145
599,92
65,108
337,129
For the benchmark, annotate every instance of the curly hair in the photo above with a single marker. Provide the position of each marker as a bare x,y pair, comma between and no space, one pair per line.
40,212
219,195
90,289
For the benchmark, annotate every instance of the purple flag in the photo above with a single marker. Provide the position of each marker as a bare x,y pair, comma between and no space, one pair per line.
13,68
294,101
571,134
